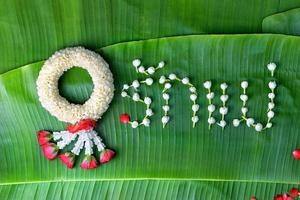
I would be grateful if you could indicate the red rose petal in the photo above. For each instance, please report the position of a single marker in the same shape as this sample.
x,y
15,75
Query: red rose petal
x,y
294,192
296,154
50,151
85,124
125,118
106,155
67,159
89,162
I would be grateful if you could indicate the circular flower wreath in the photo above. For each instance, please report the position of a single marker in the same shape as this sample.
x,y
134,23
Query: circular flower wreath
x,y
82,118
53,69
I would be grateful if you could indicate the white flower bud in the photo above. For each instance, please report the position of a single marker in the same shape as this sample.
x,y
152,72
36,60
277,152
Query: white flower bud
x,y
168,85
211,120
270,114
269,125
195,107
161,64
236,122
222,123
193,97
136,97
136,62
271,105
258,127
135,84
125,87
162,80
195,119
166,96
149,112
223,110
244,84
223,86
124,94
244,97
141,69
172,76
149,81
151,70
147,100
207,84
192,89
166,108
224,98
165,119
271,95
271,66
210,95
272,85
146,122
249,122
134,124
211,108
185,80
244,110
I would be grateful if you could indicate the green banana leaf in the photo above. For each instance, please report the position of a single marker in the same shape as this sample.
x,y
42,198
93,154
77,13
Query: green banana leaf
x,y
284,23
32,30
178,161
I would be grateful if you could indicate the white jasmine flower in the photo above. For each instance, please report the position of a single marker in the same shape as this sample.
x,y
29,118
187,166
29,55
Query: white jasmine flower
x,y
258,127
270,114
211,120
249,122
149,81
166,108
195,107
236,122
223,110
165,119
222,123
244,97
224,98
271,67
146,122
269,125
207,84
271,105
134,124
125,87
211,108
223,86
168,85
136,97
124,94
161,64
151,70
195,119
162,80
135,84
149,112
193,97
185,80
210,95
172,77
141,69
244,84
271,95
136,62
147,100
166,96
192,89
244,110
272,85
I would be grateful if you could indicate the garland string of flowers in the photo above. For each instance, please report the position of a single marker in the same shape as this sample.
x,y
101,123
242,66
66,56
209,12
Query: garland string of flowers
x,y
82,118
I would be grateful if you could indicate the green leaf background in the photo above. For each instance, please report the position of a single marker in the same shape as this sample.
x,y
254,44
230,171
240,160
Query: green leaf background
x,y
177,162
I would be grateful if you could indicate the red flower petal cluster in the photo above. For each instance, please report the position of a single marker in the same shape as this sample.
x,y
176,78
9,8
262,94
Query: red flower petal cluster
x,y
50,151
89,162
125,118
68,159
86,124
106,155
44,137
